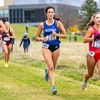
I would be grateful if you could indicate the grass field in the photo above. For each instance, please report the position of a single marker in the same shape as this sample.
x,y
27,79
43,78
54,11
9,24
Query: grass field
x,y
24,79
19,30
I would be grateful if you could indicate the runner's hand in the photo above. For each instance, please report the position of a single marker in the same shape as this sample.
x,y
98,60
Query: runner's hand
x,y
44,39
7,35
54,33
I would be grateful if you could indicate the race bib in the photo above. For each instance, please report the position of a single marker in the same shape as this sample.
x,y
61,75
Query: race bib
x,y
51,37
6,39
44,45
91,53
3,42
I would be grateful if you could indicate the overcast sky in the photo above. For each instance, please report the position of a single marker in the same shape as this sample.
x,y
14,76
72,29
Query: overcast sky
x,y
71,2
1,2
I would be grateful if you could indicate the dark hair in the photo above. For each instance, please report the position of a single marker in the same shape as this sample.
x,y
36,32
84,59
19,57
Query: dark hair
x,y
51,7
91,23
0,19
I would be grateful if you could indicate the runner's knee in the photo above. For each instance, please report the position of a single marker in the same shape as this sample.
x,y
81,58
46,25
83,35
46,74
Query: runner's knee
x,y
51,68
6,53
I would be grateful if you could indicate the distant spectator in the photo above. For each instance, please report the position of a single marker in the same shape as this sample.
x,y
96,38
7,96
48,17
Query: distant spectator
x,y
26,28
13,41
75,38
26,42
69,39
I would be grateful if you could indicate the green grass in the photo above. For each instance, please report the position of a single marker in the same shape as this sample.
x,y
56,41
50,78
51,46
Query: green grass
x,y
79,37
25,81
19,30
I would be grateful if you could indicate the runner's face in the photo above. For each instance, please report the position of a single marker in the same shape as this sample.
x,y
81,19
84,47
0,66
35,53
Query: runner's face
x,y
50,13
7,25
97,19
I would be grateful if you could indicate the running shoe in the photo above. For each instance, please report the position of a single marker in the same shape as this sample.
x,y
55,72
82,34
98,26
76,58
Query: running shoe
x,y
46,74
6,65
54,90
84,85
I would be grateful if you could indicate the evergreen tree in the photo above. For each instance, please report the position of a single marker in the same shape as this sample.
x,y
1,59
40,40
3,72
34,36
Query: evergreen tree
x,y
88,8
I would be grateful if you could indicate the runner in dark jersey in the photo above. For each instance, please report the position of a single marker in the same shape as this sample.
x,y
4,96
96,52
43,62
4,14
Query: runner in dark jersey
x,y
6,42
51,43
93,38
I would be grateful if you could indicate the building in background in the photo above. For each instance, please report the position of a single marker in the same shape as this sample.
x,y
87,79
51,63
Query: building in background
x,y
4,11
25,10
31,12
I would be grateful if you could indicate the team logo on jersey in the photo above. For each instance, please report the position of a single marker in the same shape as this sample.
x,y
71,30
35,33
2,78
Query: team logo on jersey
x,y
50,30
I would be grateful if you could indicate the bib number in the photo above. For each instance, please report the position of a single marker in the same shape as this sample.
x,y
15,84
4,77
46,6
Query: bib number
x,y
51,37
97,44
44,45
3,42
91,53
6,39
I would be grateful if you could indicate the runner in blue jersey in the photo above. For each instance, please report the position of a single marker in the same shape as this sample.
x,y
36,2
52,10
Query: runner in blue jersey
x,y
51,43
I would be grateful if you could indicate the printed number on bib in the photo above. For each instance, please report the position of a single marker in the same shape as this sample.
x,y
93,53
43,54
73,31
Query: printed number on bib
x,y
6,39
44,45
97,44
51,37
91,53
3,42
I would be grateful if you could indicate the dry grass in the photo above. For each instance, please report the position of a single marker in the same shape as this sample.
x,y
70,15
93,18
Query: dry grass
x,y
72,58
69,51
73,51
22,81
72,55
34,51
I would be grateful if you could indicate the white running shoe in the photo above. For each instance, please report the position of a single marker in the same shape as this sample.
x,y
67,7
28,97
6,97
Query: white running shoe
x,y
84,85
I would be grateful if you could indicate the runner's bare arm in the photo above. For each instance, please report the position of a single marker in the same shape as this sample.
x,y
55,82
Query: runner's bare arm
x,y
87,37
13,34
62,29
40,28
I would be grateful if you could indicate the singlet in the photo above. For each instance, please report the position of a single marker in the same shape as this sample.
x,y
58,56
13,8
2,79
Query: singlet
x,y
94,45
52,40
5,37
0,34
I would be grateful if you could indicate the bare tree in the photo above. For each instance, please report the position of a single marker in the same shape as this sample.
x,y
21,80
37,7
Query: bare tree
x,y
69,15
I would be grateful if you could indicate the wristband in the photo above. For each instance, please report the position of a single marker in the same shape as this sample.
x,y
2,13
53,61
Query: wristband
x,y
41,39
